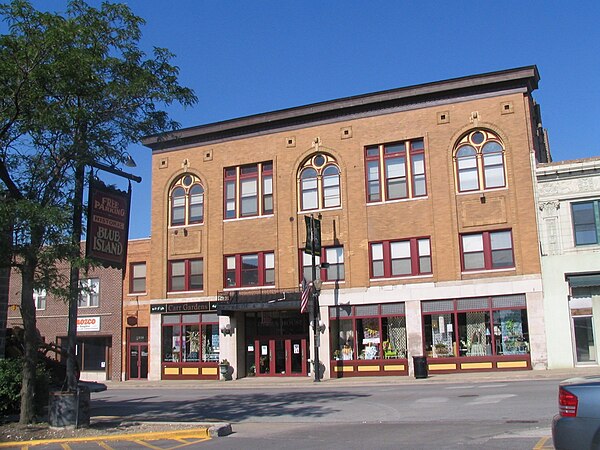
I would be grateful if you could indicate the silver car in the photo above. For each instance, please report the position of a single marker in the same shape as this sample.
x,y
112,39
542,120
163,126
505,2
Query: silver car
x,y
577,425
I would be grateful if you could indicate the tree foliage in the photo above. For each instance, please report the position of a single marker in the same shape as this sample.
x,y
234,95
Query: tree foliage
x,y
75,88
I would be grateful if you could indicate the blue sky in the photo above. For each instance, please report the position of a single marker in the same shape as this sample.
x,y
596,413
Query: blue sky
x,y
247,57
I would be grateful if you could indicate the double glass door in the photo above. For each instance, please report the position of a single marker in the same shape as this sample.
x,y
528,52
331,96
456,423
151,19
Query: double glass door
x,y
138,361
280,356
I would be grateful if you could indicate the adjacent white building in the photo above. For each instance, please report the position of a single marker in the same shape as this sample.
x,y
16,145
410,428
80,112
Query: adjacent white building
x,y
569,226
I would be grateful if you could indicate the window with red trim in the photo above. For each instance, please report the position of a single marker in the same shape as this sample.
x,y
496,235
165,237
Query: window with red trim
x,y
137,281
479,162
402,258
319,183
248,190
395,171
186,275
249,270
186,201
334,269
486,251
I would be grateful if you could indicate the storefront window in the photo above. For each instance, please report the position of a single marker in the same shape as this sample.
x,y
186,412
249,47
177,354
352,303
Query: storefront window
x,y
440,338
190,338
380,332
474,333
487,326
511,333
369,338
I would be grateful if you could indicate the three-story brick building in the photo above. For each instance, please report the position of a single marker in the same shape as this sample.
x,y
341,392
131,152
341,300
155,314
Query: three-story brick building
x,y
425,196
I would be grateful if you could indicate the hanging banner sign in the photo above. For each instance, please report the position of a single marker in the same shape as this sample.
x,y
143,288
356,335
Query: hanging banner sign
x,y
108,224
313,236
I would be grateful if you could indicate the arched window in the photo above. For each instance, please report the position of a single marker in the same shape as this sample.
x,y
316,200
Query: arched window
x,y
479,162
319,183
187,201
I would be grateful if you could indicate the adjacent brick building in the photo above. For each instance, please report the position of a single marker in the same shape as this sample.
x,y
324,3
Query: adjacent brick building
x,y
99,322
425,197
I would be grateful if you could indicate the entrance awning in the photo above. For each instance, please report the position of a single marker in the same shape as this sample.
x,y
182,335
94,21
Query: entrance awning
x,y
576,281
258,301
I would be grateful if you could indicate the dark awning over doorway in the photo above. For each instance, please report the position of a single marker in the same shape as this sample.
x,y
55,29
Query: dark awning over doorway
x,y
576,281
265,300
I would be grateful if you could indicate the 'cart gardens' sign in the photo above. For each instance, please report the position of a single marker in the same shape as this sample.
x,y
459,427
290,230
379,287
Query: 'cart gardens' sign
x,y
108,224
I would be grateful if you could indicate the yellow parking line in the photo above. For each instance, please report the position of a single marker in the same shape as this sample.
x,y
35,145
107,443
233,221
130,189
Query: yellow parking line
x,y
194,433
187,443
145,444
104,445
541,444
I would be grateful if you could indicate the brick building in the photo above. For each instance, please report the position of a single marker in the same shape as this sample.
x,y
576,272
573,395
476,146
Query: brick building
x,y
99,321
136,310
425,197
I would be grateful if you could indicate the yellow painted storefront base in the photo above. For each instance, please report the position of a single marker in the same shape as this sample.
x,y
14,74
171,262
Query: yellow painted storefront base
x,y
394,367
171,371
482,365
368,368
344,369
189,371
442,367
209,371
511,364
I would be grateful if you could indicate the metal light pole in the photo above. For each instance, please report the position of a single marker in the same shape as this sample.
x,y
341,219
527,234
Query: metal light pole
x,y
316,288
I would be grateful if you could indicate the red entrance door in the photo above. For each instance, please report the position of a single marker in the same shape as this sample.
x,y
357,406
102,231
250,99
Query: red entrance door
x,y
138,361
280,357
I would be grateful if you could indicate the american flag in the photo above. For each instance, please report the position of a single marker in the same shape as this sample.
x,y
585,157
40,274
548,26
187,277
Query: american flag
x,y
304,296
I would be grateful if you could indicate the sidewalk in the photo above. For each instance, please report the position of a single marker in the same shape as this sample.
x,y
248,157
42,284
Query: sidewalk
x,y
308,382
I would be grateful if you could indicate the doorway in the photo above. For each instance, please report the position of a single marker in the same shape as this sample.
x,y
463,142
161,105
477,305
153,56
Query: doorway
x,y
582,323
585,348
276,343
280,357
137,353
138,361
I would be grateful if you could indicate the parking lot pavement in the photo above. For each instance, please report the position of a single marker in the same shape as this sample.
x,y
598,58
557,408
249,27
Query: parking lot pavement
x,y
164,440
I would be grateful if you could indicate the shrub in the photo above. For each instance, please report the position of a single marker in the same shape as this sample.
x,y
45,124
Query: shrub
x,y
10,386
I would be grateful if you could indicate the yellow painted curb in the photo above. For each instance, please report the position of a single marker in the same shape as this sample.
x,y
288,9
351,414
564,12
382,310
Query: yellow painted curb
x,y
185,433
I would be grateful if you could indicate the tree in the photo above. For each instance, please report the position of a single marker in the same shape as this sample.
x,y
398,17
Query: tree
x,y
75,88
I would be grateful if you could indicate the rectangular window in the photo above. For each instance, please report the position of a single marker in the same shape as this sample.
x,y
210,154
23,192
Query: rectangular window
x,y
249,270
334,259
408,257
487,251
369,332
137,282
190,338
404,171
586,222
485,326
39,297
89,294
186,275
267,192
92,353
248,190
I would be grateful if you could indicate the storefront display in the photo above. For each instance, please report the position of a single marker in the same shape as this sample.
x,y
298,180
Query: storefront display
x,y
189,343
380,332
491,328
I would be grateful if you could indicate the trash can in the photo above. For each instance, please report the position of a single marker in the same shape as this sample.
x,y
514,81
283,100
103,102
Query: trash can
x,y
420,364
